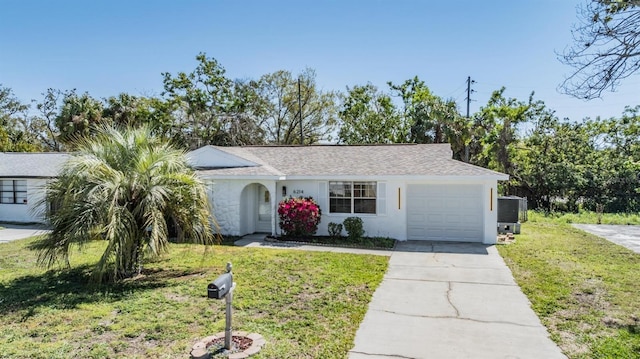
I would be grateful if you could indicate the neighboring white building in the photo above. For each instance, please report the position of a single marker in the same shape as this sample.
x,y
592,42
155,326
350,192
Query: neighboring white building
x,y
407,191
23,176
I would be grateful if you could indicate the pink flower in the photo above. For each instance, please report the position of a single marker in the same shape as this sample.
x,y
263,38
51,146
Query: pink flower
x,y
299,216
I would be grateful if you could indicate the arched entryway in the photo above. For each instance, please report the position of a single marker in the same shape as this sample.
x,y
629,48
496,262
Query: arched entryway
x,y
255,209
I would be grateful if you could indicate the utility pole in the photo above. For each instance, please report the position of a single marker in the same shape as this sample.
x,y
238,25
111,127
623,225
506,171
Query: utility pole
x,y
469,92
300,115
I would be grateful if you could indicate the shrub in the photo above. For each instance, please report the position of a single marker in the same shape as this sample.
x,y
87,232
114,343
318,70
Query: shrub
x,y
354,228
335,230
299,216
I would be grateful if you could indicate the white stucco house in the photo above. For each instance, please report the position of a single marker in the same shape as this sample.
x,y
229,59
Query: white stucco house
x,y
22,179
406,192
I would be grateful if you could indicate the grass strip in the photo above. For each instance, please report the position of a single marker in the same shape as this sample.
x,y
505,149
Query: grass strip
x,y
584,288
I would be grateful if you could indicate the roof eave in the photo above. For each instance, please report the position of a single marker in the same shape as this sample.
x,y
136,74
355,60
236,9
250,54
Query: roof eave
x,y
452,178
238,177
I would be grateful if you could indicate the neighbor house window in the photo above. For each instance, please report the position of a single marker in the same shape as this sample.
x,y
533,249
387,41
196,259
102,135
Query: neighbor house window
x,y
13,191
352,197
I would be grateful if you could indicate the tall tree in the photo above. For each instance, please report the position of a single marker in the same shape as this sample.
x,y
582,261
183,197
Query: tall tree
x,y
281,119
44,124
202,98
496,129
621,153
369,116
127,110
430,118
606,47
551,160
77,116
14,134
123,186
242,121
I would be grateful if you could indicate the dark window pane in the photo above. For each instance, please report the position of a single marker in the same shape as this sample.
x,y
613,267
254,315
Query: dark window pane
x,y
364,206
339,205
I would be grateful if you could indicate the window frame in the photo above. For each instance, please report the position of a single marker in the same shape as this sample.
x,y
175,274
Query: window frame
x,y
16,191
354,188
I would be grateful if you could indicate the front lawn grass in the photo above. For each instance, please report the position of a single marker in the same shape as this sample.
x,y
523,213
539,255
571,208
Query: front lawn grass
x,y
585,289
306,304
584,217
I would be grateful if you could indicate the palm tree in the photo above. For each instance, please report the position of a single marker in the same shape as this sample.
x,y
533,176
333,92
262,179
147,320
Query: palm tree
x,y
122,186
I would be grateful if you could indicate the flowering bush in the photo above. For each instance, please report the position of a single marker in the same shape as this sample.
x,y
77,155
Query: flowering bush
x,y
299,216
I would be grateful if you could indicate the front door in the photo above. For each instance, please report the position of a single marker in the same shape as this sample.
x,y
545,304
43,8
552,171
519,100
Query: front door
x,y
263,223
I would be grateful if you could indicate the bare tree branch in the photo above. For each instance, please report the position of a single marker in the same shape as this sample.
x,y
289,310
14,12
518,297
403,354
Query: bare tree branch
x,y
606,47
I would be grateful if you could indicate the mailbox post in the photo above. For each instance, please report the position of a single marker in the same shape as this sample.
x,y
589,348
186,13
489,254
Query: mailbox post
x,y
222,287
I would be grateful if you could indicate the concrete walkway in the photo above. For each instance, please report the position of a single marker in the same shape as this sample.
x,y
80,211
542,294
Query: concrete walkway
x,y
12,232
626,236
444,300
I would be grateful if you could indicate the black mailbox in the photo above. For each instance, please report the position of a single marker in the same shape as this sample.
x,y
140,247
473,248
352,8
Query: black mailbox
x,y
220,286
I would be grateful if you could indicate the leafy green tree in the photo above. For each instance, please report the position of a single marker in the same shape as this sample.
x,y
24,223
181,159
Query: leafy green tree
x,y
495,128
368,117
77,115
281,119
621,153
606,47
127,110
122,186
242,120
43,125
430,118
551,160
201,98
14,134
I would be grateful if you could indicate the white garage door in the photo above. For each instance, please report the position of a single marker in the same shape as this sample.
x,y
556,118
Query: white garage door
x,y
445,213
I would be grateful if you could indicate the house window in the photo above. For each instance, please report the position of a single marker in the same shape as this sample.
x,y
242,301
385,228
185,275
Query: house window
x,y
352,197
13,191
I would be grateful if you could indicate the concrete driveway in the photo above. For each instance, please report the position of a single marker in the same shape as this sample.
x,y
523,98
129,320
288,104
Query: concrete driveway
x,y
627,236
444,300
12,232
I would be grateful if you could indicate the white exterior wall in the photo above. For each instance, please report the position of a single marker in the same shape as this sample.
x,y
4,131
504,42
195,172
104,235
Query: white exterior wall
x,y
390,224
25,213
390,221
225,197
491,212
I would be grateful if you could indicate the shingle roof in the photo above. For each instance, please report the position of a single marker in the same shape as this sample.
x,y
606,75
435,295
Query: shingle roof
x,y
294,161
31,164
335,160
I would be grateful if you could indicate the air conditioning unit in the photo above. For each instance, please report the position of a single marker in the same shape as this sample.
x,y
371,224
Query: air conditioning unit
x,y
509,214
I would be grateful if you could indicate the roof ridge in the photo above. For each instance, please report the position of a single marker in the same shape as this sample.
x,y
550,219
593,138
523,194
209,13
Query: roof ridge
x,y
339,145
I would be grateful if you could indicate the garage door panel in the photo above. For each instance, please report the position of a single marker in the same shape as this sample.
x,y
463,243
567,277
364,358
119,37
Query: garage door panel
x,y
445,212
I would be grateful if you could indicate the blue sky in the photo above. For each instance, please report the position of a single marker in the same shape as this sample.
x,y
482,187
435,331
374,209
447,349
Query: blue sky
x,y
108,47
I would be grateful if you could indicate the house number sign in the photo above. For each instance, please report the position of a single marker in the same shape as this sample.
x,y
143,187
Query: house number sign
x,y
298,191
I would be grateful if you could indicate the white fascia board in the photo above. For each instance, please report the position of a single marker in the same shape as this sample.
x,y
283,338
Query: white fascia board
x,y
401,177
230,177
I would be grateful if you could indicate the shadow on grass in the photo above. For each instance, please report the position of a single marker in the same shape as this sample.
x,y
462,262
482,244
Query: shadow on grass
x,y
66,289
